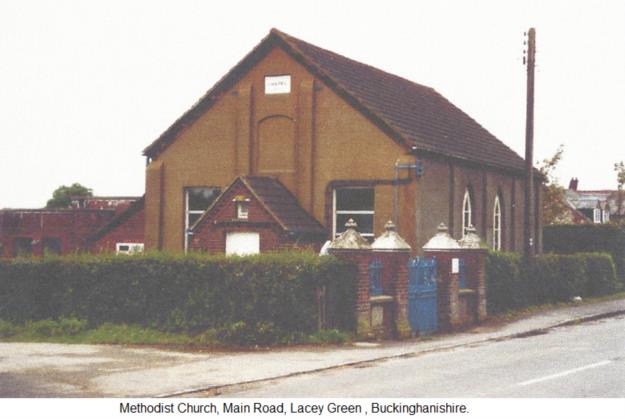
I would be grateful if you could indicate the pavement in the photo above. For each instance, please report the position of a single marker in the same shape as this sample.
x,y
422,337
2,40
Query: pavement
x,y
53,370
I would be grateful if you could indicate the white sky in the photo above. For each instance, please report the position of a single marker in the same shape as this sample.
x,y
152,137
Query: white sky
x,y
85,86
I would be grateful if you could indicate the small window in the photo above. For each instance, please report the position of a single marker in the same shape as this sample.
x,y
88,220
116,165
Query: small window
x,y
128,248
606,216
467,212
243,210
596,213
355,203
277,84
197,200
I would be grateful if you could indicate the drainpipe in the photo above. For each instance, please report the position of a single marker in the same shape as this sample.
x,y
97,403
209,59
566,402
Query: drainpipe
x,y
401,166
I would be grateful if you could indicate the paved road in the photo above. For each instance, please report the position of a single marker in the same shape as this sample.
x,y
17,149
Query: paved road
x,y
488,357
585,360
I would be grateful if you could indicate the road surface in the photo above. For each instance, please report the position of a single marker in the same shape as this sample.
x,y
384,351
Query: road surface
x,y
584,360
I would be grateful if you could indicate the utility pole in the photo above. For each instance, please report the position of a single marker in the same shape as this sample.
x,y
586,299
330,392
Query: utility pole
x,y
530,242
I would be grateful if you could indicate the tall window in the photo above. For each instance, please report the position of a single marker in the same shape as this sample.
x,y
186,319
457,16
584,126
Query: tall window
x,y
355,203
497,224
596,214
467,212
196,201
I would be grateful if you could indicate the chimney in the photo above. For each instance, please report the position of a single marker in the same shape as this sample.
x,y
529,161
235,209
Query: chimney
x,y
573,184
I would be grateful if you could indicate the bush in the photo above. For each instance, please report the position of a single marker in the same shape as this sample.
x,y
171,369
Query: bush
x,y
602,275
7,329
512,282
264,297
242,334
588,238
504,288
57,328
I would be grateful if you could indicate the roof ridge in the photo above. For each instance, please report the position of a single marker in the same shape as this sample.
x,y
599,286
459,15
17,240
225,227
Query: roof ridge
x,y
379,70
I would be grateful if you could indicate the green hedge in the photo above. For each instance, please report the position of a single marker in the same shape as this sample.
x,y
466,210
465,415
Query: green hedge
x,y
512,283
570,239
272,293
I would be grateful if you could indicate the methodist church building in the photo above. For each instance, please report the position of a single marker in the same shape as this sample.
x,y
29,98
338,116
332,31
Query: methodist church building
x,y
303,139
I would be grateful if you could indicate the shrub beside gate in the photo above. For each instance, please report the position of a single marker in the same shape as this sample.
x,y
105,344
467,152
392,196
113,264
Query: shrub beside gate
x,y
572,239
273,295
512,283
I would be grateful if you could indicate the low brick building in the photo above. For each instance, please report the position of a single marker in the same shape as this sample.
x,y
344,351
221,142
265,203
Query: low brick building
x,y
255,214
123,234
37,232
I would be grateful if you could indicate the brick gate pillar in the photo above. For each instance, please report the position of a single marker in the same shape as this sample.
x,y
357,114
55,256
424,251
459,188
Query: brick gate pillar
x,y
350,245
474,255
394,253
447,252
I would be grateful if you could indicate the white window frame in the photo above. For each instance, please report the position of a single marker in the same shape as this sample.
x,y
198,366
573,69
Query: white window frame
x,y
606,216
132,248
243,210
467,212
596,215
357,212
497,224
188,212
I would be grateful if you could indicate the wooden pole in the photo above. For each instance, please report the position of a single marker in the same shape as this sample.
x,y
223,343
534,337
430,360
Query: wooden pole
x,y
530,241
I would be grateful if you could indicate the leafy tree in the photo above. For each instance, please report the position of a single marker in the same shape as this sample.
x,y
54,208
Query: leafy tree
x,y
554,207
61,197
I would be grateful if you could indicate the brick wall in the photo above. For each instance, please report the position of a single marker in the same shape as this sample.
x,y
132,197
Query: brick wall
x,y
70,227
129,231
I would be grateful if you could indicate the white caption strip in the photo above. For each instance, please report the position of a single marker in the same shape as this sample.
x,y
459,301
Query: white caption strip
x,y
564,373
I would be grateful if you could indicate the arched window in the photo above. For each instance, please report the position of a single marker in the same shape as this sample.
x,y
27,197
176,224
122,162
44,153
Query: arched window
x,y
497,224
467,212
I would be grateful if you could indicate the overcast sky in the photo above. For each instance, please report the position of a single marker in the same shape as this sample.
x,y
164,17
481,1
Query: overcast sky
x,y
85,86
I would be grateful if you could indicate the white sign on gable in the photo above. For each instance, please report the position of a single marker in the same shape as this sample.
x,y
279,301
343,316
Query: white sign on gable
x,y
277,84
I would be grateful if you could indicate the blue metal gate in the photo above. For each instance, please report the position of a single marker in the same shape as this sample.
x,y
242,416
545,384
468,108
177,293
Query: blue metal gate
x,y
422,300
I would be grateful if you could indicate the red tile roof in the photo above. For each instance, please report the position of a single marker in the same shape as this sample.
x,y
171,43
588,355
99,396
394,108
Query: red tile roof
x,y
279,203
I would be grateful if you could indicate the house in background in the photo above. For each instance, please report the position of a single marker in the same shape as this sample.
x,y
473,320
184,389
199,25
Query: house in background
x,y
38,232
343,140
598,206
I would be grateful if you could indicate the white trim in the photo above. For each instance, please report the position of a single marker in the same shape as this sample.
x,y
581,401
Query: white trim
x,y
596,215
243,210
497,224
336,212
132,248
467,211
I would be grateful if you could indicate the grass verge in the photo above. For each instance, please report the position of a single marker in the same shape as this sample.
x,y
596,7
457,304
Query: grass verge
x,y
73,331
513,315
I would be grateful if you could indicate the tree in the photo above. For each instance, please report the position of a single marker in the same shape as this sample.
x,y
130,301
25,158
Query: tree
x,y
554,198
619,168
61,197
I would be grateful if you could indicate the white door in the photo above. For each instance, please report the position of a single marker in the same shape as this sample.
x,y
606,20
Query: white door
x,y
242,243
